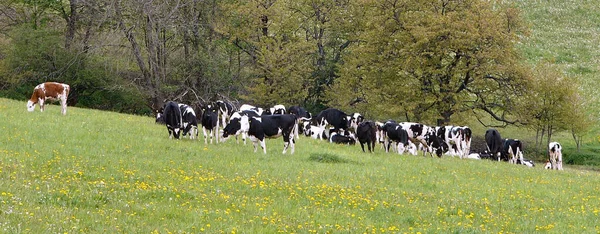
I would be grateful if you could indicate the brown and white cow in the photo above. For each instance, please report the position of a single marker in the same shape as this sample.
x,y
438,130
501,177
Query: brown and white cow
x,y
49,91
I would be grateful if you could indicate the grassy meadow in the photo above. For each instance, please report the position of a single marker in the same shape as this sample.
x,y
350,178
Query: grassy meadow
x,y
93,171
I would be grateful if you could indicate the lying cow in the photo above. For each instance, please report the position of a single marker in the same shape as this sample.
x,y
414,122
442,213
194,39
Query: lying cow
x,y
348,139
49,91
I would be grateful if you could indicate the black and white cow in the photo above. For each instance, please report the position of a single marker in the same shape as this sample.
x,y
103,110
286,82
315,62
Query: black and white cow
x,y
172,117
435,144
258,110
366,132
160,119
334,117
467,136
394,133
237,126
452,137
513,150
210,122
337,138
494,143
302,115
226,109
354,120
272,126
275,110
555,153
420,133
189,121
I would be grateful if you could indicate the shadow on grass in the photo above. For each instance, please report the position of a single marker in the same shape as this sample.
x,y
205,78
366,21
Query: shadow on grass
x,y
328,158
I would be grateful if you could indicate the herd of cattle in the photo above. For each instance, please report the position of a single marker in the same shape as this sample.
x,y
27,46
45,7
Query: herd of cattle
x,y
222,120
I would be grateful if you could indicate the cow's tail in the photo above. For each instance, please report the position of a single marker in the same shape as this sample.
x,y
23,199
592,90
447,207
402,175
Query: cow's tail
x,y
295,128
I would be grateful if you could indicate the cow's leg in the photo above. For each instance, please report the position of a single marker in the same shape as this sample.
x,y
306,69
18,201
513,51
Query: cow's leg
x,y
553,161
63,103
216,130
263,146
41,103
520,155
204,134
244,137
559,166
292,144
400,147
362,146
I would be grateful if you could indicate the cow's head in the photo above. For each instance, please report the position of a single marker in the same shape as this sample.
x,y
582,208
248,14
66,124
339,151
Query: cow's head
x,y
30,106
235,127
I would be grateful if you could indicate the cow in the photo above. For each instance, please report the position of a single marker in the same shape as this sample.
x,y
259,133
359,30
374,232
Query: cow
x,y
210,122
189,121
237,126
49,91
493,141
366,132
526,162
272,126
354,120
258,110
452,137
548,165
419,132
160,119
302,116
466,140
393,132
334,117
275,110
225,110
555,153
337,138
172,116
513,150
435,144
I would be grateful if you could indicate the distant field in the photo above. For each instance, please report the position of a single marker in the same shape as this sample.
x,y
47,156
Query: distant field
x,y
93,171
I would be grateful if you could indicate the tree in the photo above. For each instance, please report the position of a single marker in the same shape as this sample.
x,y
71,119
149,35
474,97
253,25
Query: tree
x,y
429,60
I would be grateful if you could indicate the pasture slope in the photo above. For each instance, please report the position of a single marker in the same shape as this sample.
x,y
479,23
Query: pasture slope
x,y
101,172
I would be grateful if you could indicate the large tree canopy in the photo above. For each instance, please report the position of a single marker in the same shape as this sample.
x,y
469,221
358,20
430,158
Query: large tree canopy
x,y
429,60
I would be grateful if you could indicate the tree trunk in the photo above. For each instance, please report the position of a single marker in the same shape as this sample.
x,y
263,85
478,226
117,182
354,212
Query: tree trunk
x,y
71,24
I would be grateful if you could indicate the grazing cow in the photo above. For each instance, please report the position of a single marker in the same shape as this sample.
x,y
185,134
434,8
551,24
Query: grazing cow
x,y
418,133
513,149
452,137
435,144
172,115
366,132
342,139
226,109
393,132
555,152
258,110
49,91
334,117
272,126
189,121
493,141
548,165
237,125
210,122
302,115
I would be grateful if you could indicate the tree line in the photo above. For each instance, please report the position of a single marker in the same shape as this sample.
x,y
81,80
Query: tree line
x,y
431,61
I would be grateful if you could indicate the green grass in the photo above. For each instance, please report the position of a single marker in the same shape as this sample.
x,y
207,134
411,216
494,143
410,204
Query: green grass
x,y
102,172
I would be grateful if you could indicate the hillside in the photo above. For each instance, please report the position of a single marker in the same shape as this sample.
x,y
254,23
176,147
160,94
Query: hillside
x,y
93,171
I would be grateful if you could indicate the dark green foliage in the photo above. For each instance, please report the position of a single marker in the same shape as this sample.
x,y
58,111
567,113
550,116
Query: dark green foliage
x,y
586,156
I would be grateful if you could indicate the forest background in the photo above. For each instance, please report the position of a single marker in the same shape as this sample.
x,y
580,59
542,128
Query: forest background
x,y
529,64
